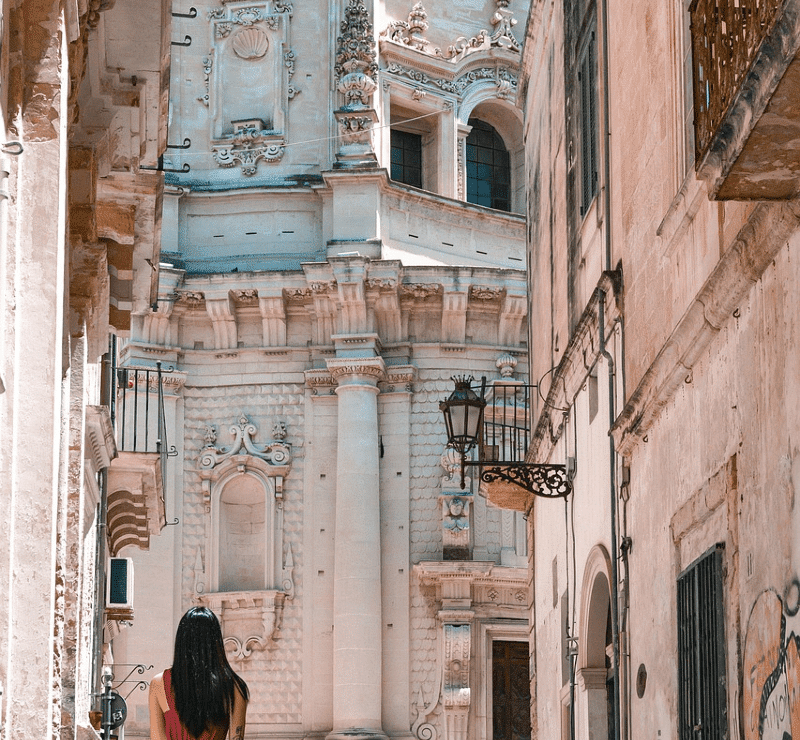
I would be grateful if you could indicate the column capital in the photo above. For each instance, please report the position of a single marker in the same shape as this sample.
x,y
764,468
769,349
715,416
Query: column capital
x,y
592,678
347,370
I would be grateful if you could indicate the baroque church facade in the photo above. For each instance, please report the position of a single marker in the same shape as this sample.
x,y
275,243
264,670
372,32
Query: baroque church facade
x,y
342,233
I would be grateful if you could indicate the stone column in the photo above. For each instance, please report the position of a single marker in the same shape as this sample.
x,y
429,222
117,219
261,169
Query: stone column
x,y
357,635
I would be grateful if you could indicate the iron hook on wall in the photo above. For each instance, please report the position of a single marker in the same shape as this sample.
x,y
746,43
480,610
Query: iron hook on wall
x,y
191,14
161,168
186,144
13,148
187,41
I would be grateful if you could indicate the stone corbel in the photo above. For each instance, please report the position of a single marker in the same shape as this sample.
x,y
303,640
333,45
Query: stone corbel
x,y
350,274
223,317
250,620
454,316
514,309
273,320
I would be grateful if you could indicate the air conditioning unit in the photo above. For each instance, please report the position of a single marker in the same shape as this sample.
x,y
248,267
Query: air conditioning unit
x,y
120,584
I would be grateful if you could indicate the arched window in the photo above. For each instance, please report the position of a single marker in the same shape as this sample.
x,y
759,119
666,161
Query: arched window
x,y
488,167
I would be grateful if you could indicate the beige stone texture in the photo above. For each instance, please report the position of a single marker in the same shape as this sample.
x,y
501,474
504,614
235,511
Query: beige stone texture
x,y
663,328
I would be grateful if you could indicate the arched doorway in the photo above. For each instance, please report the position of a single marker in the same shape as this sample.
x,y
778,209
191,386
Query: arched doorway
x,y
595,674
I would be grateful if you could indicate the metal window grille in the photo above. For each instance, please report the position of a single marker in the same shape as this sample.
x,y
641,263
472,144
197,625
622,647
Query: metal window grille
x,y
702,701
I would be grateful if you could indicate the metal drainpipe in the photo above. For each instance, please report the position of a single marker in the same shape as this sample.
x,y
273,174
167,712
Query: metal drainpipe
x,y
613,499
100,580
618,709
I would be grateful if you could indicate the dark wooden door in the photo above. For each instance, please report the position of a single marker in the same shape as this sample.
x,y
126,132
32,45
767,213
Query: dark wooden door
x,y
511,691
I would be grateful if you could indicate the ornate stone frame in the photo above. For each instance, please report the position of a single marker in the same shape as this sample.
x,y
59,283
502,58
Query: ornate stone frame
x,y
250,619
250,30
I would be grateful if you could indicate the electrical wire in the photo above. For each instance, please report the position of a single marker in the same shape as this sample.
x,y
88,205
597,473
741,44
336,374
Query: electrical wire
x,y
373,128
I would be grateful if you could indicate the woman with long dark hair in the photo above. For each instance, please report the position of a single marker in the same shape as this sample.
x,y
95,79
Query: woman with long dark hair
x,y
200,697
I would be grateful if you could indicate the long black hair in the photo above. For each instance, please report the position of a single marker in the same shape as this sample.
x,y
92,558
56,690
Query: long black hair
x,y
203,681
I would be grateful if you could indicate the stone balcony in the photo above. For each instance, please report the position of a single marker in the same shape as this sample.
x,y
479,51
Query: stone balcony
x,y
746,93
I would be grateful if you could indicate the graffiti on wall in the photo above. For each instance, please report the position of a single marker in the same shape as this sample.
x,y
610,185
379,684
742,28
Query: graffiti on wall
x,y
771,691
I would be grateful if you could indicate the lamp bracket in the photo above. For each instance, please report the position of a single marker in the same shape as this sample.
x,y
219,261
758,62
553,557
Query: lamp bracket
x,y
547,481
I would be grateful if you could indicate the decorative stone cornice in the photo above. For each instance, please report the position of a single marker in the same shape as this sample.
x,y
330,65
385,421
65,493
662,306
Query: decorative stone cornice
x,y
504,78
581,353
767,230
420,291
100,437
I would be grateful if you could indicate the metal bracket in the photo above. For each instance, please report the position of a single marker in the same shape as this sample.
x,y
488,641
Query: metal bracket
x,y
187,41
191,14
547,481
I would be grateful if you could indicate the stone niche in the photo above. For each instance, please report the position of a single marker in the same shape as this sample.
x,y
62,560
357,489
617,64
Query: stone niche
x,y
248,77
248,571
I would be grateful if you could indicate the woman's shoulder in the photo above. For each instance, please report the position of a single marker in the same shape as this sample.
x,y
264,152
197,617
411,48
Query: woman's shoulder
x,y
157,682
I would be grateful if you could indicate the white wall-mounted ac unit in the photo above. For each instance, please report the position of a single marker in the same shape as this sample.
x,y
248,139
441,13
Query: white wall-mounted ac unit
x,y
120,583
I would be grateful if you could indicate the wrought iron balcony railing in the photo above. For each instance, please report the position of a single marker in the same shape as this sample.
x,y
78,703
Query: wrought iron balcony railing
x,y
505,441
138,413
726,36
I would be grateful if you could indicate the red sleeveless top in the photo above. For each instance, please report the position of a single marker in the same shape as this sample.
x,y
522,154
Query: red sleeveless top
x,y
175,728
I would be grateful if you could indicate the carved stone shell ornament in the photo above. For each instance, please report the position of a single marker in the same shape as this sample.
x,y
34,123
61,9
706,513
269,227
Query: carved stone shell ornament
x,y
250,43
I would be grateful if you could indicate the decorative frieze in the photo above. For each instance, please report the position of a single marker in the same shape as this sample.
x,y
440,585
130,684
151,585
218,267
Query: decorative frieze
x,y
191,299
503,77
485,292
420,291
400,378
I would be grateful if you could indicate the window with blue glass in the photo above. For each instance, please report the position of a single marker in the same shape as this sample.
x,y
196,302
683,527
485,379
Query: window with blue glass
x,y
407,158
488,167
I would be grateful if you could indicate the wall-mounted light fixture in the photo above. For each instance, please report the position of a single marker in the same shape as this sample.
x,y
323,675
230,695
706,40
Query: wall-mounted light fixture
x,y
502,437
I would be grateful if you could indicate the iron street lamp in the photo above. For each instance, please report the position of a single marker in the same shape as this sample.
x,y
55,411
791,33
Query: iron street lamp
x,y
463,417
464,412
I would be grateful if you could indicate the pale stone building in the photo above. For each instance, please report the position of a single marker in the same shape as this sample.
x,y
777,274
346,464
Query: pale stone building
x,y
84,115
342,233
664,244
